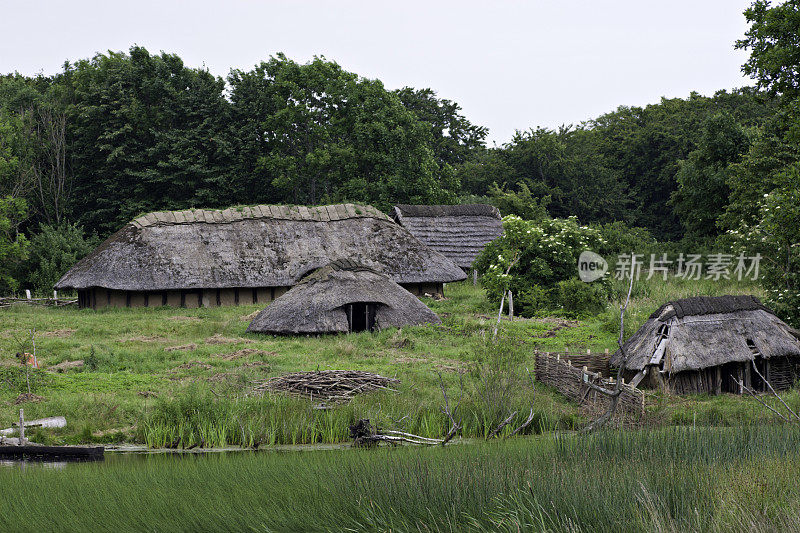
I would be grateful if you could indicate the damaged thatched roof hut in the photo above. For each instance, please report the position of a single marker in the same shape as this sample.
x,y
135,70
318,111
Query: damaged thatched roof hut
x,y
342,297
459,232
204,257
710,344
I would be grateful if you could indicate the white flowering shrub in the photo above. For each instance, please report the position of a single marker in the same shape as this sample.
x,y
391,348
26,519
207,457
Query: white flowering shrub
x,y
543,253
776,237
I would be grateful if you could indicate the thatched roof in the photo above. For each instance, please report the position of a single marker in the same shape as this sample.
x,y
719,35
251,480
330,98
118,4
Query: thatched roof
x,y
316,304
709,331
261,246
458,231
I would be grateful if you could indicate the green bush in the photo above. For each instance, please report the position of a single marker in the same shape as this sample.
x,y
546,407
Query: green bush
x,y
53,251
619,238
541,254
578,298
14,377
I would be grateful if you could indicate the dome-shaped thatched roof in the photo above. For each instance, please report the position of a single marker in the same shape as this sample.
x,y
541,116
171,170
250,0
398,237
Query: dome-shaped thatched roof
x,y
260,246
709,331
318,304
459,232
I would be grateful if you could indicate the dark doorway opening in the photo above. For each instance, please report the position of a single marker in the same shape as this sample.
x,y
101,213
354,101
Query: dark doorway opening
x,y
360,316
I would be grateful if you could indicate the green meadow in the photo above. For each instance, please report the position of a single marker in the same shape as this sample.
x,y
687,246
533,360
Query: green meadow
x,y
167,376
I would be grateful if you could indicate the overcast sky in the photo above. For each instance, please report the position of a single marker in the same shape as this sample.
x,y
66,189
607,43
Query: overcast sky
x,y
510,64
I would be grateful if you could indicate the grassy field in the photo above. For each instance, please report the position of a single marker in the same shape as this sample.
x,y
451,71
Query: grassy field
x,y
155,375
670,480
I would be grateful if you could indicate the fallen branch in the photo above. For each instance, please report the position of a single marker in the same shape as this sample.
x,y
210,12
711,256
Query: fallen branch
x,y
363,434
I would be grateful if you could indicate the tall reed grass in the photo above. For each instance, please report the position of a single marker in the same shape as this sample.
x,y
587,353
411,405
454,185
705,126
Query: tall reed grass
x,y
677,479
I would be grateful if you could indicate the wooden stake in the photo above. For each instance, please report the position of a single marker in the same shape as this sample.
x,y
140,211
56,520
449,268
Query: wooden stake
x,y
510,305
21,427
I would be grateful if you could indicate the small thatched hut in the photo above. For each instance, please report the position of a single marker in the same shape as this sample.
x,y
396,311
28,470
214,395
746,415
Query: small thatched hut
x,y
204,257
339,298
710,344
459,232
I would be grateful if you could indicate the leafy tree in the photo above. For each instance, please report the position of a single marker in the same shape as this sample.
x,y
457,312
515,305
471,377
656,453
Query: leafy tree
x,y
146,133
315,133
774,48
13,244
702,179
483,168
54,250
522,203
776,237
454,137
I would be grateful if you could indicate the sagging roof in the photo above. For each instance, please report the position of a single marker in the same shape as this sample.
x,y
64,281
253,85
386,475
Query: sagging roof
x,y
316,304
460,232
260,246
708,331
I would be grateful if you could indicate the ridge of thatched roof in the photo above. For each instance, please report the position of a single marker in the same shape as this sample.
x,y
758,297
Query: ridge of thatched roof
x,y
709,331
708,305
459,232
260,246
322,213
316,304
462,210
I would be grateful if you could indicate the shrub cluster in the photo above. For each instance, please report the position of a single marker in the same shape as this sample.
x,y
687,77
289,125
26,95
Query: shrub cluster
x,y
537,261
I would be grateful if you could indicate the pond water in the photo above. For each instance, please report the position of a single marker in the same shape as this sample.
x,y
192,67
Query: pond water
x,y
127,453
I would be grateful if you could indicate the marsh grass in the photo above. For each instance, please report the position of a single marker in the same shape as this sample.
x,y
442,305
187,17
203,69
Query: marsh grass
x,y
675,479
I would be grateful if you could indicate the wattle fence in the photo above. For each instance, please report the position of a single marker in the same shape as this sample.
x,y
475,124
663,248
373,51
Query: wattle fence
x,y
569,373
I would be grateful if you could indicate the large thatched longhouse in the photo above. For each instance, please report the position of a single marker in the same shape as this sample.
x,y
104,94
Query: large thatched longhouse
x,y
710,344
459,232
342,297
203,257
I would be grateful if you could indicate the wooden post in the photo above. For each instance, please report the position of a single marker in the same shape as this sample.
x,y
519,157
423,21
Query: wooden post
x,y
740,375
28,294
475,277
510,305
55,297
748,382
21,428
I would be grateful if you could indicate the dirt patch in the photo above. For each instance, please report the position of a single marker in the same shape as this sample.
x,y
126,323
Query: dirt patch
x,y
244,352
250,317
182,347
147,394
410,360
234,375
184,318
58,333
557,323
66,365
453,366
255,364
192,364
219,339
28,397
146,338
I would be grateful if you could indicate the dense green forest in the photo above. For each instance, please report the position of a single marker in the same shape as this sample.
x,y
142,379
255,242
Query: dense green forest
x,y
85,150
